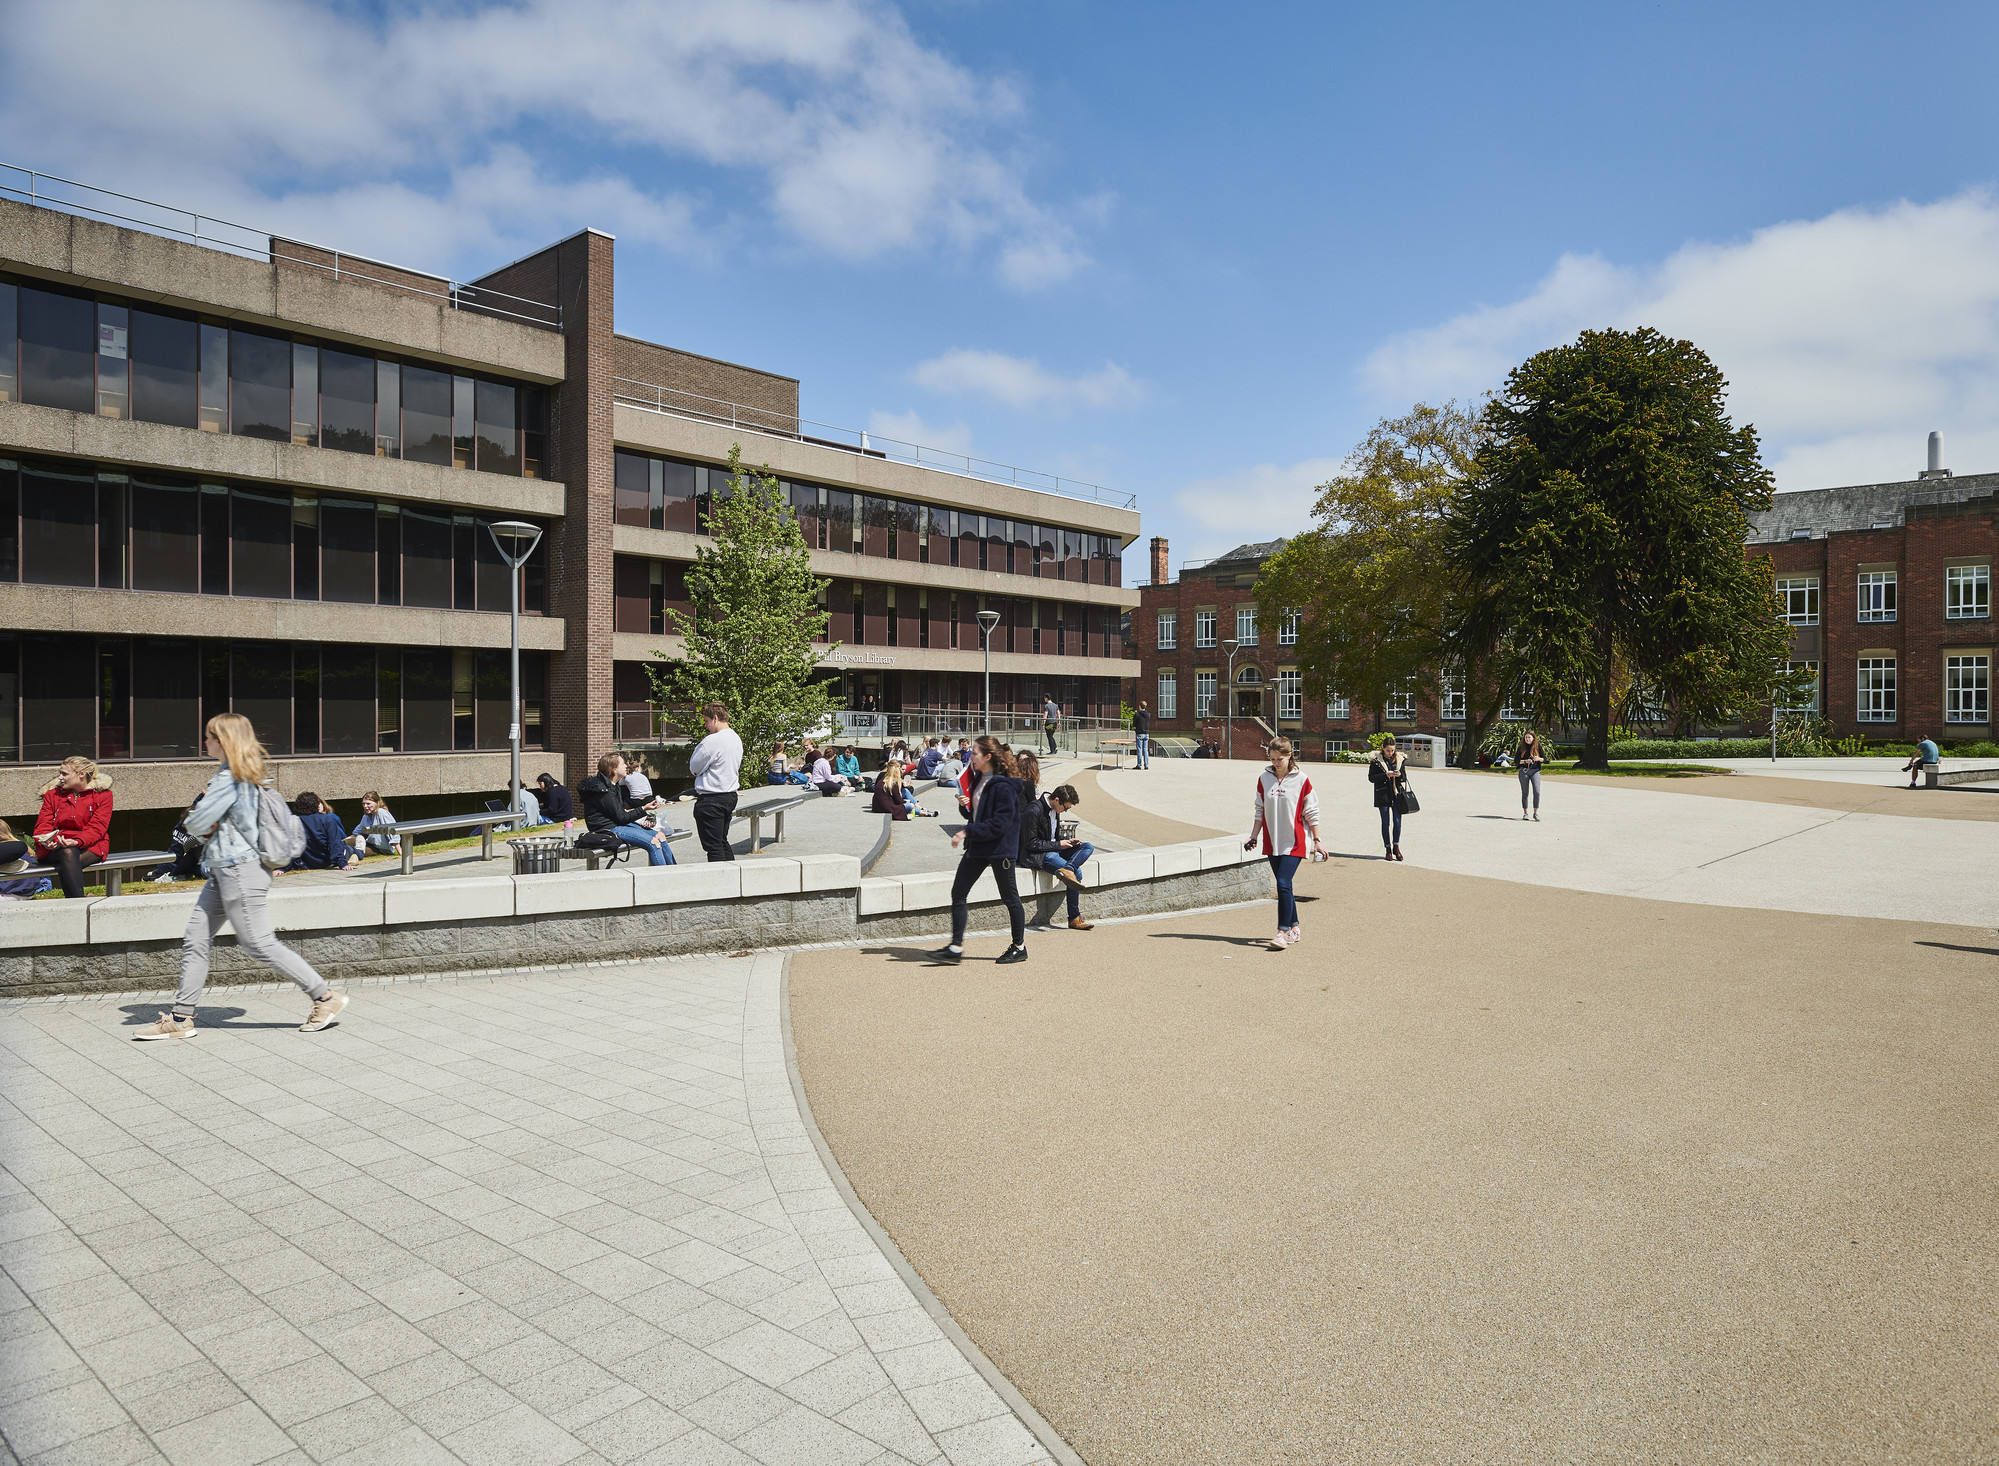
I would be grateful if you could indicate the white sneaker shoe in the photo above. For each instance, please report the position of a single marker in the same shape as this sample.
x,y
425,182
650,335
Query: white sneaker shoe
x,y
323,1012
1279,942
1297,935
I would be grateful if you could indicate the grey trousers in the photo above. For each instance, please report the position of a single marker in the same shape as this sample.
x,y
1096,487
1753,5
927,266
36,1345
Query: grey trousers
x,y
1530,778
235,894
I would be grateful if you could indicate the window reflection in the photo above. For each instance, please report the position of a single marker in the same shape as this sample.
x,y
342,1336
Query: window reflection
x,y
166,356
347,402
58,343
260,386
114,375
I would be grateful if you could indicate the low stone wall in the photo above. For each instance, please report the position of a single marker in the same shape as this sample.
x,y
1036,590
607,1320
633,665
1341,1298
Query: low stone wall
x,y
376,928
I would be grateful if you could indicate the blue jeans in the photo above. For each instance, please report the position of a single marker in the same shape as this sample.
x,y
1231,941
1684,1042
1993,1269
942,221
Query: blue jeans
x,y
1391,812
1054,860
1284,867
639,835
1144,750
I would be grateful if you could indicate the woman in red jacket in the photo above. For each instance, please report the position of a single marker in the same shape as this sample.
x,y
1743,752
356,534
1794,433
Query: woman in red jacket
x,y
74,827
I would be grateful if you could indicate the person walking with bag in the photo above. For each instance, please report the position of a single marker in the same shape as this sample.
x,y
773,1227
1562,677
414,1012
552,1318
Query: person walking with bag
x,y
1529,759
717,767
1287,819
991,839
1388,772
228,820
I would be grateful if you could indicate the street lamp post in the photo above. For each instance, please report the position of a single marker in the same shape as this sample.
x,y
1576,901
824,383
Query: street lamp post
x,y
987,621
1230,645
515,542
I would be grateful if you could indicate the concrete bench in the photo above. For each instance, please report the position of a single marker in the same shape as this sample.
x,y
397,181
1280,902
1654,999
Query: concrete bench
x,y
1934,776
405,832
776,810
114,868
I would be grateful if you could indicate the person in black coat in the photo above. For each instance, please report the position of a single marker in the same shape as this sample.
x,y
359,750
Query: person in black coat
x,y
555,801
990,839
1388,772
325,837
609,810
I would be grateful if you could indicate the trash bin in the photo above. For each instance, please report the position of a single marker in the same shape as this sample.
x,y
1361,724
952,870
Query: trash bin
x,y
537,854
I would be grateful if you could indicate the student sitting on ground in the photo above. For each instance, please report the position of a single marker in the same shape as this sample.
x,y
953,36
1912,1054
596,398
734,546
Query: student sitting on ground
x,y
778,771
848,767
555,801
374,832
824,779
325,839
186,864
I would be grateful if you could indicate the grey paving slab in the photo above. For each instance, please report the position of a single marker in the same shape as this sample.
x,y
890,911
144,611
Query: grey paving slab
x,y
551,1218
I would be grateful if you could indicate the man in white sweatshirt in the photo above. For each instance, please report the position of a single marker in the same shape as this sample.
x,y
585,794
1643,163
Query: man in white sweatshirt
x,y
717,766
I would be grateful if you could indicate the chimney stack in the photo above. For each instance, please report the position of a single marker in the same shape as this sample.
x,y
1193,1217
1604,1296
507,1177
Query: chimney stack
x,y
1159,566
1936,468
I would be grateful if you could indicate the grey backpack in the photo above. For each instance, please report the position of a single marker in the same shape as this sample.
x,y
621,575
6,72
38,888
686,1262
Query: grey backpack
x,y
280,833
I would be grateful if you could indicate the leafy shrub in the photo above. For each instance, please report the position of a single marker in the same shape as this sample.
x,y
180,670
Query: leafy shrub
x,y
1501,738
1672,748
1379,741
1976,750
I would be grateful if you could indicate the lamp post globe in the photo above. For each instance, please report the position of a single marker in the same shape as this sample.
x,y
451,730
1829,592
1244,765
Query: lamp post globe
x,y
987,621
515,541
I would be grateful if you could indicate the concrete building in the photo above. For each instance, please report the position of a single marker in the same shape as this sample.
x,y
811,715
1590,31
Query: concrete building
x,y
260,480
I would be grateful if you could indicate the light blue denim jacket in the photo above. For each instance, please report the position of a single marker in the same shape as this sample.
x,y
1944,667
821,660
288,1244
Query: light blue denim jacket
x,y
224,819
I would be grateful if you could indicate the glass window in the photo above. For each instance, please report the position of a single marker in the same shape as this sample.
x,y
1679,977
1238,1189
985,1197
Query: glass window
x,y
492,683
388,555
1967,688
260,541
1204,694
10,698
1967,591
111,497
165,357
305,547
10,362
534,432
464,563
498,420
215,542
677,497
166,699
1877,595
58,524
58,343
839,511
426,416
877,525
260,386
426,700
1811,702
1338,709
347,699
464,706
166,533
305,697
388,409
426,561
58,696
212,409
1245,625
1799,597
114,361
114,697
463,429
971,541
1401,704
260,688
305,395
1204,628
1877,690
1287,626
631,489
347,550
1169,631
10,523
1453,698
1290,695
1169,696
388,701
346,401
495,592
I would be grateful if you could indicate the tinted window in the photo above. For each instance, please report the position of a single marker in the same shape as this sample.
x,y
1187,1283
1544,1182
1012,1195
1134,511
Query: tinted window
x,y
10,380
426,700
260,688
630,489
10,692
260,539
114,361
260,386
494,593
347,699
426,415
215,542
166,699
166,533
305,699
388,409
58,696
305,394
492,699
58,525
462,429
10,528
111,531
346,401
499,440
165,359
839,512
388,555
58,343
347,550
426,560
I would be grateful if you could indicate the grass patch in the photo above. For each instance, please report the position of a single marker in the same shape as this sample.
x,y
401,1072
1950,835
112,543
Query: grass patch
x,y
1624,770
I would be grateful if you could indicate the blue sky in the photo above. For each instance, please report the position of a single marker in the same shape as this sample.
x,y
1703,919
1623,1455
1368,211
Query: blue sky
x,y
1186,251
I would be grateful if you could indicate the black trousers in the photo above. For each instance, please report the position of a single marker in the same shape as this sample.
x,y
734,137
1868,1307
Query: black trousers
x,y
69,861
1049,729
969,869
712,813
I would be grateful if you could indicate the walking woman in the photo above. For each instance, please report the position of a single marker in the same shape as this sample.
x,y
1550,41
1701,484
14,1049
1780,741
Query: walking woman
x,y
1529,760
224,819
991,838
1287,813
1388,772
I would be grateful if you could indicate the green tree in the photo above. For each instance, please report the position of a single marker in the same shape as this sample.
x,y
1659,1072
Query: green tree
x,y
749,642
1601,536
1382,612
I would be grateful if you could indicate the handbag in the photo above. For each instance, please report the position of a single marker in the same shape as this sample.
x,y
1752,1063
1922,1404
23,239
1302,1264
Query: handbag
x,y
1405,799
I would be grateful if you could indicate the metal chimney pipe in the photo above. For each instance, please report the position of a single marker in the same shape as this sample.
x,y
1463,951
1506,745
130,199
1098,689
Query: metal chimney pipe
x,y
1936,451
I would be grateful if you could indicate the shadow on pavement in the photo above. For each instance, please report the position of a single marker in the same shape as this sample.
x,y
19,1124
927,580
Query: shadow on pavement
x,y
137,1014
1954,947
1208,937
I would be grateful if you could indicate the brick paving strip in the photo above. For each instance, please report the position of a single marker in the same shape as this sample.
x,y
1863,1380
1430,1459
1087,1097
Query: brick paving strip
x,y
557,1217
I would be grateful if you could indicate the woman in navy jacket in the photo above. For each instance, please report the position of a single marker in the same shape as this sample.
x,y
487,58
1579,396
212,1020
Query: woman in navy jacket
x,y
990,838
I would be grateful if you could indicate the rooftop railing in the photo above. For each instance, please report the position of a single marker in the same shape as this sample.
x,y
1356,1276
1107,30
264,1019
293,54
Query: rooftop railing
x,y
674,402
67,195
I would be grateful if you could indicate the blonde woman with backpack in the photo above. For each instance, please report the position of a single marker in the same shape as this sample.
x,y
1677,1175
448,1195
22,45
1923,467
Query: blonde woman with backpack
x,y
1287,816
225,820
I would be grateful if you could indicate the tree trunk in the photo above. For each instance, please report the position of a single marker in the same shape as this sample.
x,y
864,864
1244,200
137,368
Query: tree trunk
x,y
1596,739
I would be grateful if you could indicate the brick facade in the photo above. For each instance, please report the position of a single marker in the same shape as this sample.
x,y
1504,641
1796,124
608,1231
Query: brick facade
x,y
701,384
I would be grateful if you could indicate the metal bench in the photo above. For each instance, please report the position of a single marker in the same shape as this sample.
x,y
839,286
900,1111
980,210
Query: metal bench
x,y
405,832
776,810
595,859
113,867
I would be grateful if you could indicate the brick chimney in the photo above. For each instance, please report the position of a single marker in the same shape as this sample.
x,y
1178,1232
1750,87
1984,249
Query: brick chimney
x,y
1159,568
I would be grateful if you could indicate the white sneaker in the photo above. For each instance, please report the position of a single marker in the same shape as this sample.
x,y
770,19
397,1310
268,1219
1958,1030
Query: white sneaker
x,y
1537,816
1297,935
323,1012
1279,942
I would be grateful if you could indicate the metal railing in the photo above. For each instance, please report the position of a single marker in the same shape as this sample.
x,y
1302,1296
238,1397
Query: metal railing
x,y
1078,736
674,402
67,195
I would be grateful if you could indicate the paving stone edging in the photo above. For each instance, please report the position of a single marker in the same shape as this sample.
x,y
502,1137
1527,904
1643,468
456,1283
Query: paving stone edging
x,y
387,928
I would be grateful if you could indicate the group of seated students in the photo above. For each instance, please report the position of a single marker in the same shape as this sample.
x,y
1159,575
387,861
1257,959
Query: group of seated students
x,y
72,832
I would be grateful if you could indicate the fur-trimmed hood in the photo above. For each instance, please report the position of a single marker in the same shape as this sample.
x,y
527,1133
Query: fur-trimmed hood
x,y
100,783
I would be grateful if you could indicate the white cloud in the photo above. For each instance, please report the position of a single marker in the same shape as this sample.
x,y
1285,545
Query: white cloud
x,y
1022,382
907,427
864,139
1845,339
1264,502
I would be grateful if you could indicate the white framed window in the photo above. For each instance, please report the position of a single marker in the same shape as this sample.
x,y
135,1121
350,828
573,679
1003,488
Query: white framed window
x,y
1169,696
1799,595
1287,629
1204,627
1290,695
1169,630
1967,592
1877,595
1401,705
1204,694
1453,698
1811,702
1876,690
1338,709
1245,625
1967,688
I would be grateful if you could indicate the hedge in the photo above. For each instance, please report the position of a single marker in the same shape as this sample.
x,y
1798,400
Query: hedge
x,y
1687,748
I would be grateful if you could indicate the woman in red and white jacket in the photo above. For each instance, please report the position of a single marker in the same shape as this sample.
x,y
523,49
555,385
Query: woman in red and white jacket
x,y
1287,815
